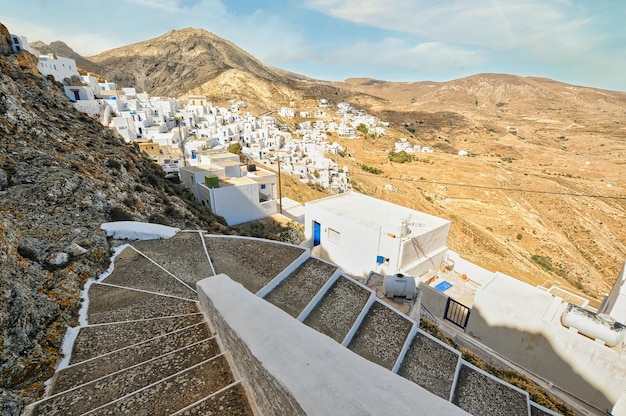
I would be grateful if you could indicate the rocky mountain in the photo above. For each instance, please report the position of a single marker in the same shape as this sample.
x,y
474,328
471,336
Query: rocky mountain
x,y
62,49
179,61
61,175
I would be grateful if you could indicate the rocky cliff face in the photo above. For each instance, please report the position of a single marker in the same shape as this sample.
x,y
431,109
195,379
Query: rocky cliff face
x,y
177,62
61,176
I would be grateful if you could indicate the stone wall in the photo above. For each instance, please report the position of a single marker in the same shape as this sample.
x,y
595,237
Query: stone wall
x,y
268,394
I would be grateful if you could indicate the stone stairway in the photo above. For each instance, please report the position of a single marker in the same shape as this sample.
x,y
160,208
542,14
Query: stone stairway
x,y
147,349
317,294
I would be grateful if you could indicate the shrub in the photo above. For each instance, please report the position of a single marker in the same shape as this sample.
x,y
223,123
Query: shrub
x,y
400,157
114,163
371,169
120,214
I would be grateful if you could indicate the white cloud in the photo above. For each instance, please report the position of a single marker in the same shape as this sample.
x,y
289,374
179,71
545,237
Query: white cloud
x,y
395,53
268,37
487,23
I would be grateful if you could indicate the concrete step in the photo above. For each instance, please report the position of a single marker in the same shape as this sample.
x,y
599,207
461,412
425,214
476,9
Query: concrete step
x,y
337,311
116,304
381,335
173,393
101,391
182,255
100,366
95,340
295,292
251,262
133,270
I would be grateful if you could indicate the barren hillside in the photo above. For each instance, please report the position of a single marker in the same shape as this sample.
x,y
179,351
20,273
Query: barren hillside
x,y
542,195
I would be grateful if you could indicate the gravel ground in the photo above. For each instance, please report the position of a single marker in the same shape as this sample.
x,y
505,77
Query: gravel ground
x,y
89,370
174,393
251,262
114,304
182,255
105,390
381,335
481,395
231,402
431,365
135,271
336,312
295,292
93,341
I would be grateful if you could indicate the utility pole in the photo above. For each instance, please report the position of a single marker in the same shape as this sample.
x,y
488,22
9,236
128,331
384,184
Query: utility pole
x,y
280,190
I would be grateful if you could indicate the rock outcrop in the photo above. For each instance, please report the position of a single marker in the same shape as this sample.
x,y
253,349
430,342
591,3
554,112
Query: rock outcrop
x,y
61,175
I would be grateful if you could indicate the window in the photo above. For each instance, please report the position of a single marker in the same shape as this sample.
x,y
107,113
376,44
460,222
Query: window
x,y
333,235
263,186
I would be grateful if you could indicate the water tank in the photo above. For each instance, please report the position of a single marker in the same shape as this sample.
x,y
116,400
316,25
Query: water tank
x,y
211,181
399,285
595,326
251,167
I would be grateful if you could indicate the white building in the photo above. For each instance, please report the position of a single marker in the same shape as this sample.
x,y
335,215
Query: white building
x,y
363,234
57,66
247,197
19,43
570,347
286,112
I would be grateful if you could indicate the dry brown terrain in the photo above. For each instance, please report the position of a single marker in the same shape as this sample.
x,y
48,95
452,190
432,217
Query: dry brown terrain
x,y
545,178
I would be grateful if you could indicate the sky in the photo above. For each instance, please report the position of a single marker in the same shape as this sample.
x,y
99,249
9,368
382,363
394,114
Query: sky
x,y
581,42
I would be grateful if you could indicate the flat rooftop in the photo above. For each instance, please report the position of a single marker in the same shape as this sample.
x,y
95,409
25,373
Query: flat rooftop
x,y
224,182
374,213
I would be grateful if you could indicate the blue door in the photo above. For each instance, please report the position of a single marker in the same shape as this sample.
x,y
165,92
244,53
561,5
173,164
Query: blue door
x,y
317,231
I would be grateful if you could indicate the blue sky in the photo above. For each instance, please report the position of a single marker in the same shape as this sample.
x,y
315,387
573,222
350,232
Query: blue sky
x,y
580,42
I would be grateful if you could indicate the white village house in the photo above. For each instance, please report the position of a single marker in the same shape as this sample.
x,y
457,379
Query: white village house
x,y
363,234
237,192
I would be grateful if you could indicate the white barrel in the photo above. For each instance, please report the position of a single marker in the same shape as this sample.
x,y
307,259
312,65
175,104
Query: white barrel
x,y
595,326
399,285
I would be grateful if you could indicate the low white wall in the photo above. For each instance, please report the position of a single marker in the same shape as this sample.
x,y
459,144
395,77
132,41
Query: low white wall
x,y
323,377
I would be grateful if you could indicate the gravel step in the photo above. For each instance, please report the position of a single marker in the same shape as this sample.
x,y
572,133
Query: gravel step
x,y
116,304
135,271
295,292
381,335
430,364
251,262
101,391
174,393
96,340
337,311
231,401
92,369
483,395
182,255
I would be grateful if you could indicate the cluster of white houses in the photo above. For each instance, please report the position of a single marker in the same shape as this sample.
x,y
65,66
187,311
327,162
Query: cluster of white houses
x,y
191,141
550,333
